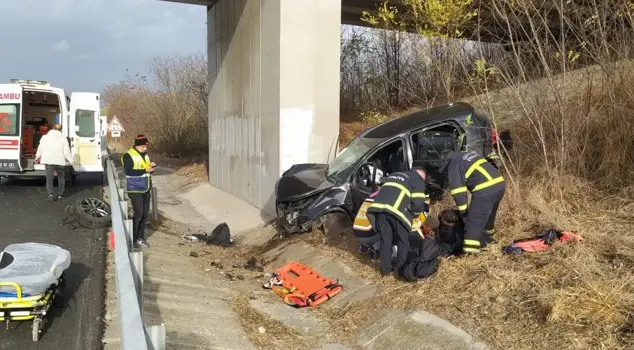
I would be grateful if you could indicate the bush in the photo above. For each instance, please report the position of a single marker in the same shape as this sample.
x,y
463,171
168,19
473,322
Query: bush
x,y
169,104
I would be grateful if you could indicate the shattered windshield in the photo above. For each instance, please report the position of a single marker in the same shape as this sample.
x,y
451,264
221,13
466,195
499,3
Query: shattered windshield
x,y
344,164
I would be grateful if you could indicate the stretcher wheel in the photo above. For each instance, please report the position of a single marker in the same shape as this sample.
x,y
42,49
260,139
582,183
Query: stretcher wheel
x,y
37,328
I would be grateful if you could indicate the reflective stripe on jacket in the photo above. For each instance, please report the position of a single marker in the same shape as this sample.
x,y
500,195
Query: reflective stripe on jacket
x,y
402,194
138,184
361,222
469,172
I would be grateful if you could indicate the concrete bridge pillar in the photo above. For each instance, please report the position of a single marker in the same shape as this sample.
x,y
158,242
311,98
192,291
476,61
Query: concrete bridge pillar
x,y
274,91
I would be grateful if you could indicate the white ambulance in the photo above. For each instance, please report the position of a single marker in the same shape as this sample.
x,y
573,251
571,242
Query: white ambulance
x,y
29,108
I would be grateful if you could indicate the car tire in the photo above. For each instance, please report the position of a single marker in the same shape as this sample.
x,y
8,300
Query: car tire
x,y
93,212
335,225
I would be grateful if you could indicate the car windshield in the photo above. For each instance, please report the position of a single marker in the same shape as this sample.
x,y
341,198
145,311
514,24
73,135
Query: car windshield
x,y
344,164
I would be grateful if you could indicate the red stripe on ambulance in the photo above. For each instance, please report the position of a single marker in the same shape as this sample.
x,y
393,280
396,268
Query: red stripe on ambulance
x,y
5,143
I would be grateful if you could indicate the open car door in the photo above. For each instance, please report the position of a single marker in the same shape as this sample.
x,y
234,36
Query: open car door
x,y
85,131
10,127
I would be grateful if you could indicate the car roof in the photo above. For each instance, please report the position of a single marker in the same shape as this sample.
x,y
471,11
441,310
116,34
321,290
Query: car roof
x,y
453,111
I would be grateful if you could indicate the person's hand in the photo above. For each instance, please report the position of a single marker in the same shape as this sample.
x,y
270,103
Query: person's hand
x,y
153,165
149,170
37,160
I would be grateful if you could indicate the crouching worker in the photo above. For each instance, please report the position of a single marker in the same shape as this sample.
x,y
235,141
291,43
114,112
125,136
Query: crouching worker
x,y
469,172
369,240
401,198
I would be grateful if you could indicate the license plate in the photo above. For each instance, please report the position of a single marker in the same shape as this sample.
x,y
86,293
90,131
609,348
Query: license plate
x,y
9,165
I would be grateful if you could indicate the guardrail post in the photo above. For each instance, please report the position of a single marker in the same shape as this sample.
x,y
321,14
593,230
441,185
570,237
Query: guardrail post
x,y
129,232
156,335
155,212
137,263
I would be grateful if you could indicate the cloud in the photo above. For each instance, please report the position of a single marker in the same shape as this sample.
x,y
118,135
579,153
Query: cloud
x,y
112,35
61,46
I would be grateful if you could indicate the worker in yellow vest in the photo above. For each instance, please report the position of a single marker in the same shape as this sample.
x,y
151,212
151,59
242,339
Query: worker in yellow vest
x,y
138,167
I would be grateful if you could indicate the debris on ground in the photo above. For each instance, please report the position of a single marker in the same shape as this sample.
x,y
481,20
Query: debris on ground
x,y
220,236
193,254
541,242
217,264
232,276
252,264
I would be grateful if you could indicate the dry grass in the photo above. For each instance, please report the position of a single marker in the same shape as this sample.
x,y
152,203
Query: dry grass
x,y
195,173
276,334
578,296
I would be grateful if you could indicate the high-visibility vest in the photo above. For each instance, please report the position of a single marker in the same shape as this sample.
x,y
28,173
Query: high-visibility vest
x,y
138,184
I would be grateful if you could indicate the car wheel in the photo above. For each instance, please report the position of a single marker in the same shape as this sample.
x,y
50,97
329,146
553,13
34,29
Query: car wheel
x,y
93,212
335,225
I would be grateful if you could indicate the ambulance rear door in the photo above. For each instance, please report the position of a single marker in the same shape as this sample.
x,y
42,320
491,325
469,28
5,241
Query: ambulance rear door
x,y
84,131
10,127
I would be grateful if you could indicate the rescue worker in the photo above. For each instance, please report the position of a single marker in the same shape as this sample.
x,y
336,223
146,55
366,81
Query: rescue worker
x,y
369,240
138,167
469,172
401,199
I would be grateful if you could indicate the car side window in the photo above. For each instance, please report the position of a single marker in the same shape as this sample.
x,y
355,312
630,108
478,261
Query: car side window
x,y
428,145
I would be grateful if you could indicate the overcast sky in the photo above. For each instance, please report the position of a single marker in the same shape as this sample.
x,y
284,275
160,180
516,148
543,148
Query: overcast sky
x,y
83,45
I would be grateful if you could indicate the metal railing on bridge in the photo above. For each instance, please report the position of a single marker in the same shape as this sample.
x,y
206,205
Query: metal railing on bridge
x,y
134,334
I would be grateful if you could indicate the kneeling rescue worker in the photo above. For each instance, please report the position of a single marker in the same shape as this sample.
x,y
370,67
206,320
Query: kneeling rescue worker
x,y
469,172
369,240
401,198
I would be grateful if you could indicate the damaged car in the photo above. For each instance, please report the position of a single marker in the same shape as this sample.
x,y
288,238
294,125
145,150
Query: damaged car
x,y
310,196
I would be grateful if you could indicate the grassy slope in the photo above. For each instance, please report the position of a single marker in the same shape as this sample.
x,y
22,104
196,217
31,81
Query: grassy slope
x,y
571,297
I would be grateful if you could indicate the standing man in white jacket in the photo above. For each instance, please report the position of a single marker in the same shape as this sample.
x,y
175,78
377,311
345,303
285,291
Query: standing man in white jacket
x,y
54,152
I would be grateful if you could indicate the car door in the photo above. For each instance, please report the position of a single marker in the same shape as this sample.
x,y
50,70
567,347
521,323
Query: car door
x,y
84,131
428,144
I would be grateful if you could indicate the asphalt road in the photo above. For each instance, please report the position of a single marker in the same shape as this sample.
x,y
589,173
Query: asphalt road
x,y
76,319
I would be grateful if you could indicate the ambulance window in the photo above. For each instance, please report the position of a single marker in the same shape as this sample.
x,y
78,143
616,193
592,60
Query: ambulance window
x,y
85,123
9,119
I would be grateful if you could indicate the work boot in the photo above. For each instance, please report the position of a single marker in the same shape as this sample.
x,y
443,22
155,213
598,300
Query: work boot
x,y
142,243
50,198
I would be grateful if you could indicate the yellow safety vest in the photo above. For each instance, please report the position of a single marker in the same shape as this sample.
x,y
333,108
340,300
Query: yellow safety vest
x,y
138,184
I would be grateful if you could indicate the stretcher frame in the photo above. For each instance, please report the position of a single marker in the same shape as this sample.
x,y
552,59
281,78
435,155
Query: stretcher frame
x,y
28,308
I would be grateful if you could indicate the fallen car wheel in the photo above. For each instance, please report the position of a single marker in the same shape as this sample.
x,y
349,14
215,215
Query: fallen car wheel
x,y
93,212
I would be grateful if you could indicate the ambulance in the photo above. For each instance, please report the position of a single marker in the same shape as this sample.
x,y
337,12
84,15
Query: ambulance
x,y
29,108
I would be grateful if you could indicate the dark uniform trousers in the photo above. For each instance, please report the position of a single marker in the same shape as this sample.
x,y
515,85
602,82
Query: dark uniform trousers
x,y
141,213
469,172
480,225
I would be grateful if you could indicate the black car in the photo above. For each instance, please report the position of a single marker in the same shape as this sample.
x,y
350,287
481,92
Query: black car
x,y
312,195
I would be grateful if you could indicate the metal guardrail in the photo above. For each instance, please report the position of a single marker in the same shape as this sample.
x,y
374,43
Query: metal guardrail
x,y
135,335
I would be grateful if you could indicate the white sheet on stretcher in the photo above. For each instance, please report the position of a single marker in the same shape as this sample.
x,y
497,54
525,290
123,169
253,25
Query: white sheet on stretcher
x,y
35,267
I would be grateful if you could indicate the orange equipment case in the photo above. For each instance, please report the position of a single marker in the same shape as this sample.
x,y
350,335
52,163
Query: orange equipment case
x,y
303,286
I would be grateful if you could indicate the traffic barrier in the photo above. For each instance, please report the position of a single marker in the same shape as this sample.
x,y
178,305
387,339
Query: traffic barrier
x,y
135,335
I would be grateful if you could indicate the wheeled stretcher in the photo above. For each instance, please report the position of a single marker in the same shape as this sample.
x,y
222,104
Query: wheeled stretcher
x,y
30,277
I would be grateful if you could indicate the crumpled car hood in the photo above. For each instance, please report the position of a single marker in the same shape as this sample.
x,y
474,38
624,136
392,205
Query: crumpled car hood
x,y
302,180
